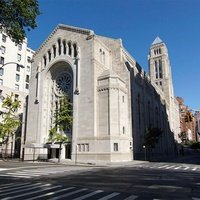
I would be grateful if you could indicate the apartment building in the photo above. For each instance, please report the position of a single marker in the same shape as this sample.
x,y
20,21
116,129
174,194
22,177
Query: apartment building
x,y
15,69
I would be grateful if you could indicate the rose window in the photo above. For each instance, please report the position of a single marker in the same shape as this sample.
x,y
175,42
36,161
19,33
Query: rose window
x,y
63,83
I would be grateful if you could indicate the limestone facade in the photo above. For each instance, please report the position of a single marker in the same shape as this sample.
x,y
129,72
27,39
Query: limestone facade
x,y
113,99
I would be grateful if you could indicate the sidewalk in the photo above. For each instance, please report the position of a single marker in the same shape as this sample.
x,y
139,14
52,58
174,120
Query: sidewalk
x,y
99,164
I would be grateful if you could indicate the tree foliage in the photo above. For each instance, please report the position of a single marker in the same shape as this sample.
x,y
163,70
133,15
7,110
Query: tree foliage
x,y
17,16
152,136
10,118
183,137
62,123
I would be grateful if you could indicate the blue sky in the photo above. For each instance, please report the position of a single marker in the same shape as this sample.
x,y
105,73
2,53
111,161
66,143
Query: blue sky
x,y
137,23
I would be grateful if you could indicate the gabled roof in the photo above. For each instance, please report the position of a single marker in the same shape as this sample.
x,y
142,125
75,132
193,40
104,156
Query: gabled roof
x,y
157,41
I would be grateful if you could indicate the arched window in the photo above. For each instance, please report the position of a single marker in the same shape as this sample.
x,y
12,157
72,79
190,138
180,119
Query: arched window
x,y
54,51
45,60
75,50
49,54
59,46
69,48
64,47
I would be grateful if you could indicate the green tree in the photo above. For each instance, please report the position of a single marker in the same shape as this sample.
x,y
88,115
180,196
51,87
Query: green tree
x,y
10,119
17,16
62,122
183,137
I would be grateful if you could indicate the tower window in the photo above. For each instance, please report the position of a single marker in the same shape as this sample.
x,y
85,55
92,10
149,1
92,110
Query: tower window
x,y
160,69
156,69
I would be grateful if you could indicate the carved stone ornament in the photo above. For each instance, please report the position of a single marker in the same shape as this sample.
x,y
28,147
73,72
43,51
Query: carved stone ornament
x,y
62,83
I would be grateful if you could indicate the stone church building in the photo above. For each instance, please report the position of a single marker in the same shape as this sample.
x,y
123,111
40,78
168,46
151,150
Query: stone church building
x,y
113,99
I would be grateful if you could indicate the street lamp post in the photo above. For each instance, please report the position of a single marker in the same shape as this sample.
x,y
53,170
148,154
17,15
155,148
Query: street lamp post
x,y
22,66
145,152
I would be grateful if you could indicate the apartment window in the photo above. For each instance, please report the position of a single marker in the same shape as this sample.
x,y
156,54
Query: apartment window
x,y
1,96
2,60
27,78
17,77
16,97
27,86
123,98
28,68
1,81
3,38
116,147
29,59
1,71
19,57
18,68
3,49
20,47
16,86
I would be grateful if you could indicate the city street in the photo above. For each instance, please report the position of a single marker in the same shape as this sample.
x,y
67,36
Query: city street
x,y
143,180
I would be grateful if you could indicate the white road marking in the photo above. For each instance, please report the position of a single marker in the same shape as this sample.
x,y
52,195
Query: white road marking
x,y
88,195
109,196
68,194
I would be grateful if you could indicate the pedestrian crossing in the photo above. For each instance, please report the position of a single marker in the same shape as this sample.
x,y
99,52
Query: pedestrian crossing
x,y
176,167
39,190
34,173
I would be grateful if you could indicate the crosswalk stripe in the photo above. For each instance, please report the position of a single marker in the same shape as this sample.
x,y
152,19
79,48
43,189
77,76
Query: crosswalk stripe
x,y
186,168
2,169
177,167
170,166
163,166
16,176
109,196
52,193
88,195
23,188
33,192
22,174
13,185
194,169
132,197
68,194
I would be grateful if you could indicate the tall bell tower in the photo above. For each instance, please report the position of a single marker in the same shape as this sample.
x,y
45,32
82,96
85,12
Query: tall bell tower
x,y
160,73
160,69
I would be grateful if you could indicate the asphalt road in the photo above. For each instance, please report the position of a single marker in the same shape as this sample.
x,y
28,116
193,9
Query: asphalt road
x,y
167,180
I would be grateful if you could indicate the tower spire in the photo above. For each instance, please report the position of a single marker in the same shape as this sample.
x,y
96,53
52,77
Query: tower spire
x,y
157,41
